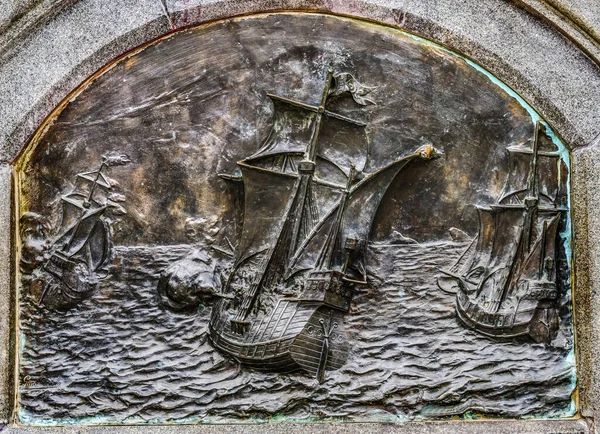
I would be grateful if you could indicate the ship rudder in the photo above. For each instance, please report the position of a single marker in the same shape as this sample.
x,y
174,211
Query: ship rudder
x,y
321,346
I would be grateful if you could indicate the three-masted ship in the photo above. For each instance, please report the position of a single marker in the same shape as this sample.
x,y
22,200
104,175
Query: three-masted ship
x,y
308,212
506,280
83,245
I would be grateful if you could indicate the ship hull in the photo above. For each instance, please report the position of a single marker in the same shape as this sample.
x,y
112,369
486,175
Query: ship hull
x,y
299,335
536,319
66,288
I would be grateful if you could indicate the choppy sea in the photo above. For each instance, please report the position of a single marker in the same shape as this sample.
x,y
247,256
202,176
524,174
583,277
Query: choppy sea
x,y
120,357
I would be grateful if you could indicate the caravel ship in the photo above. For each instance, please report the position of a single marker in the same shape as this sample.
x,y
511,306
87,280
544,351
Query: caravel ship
x,y
505,282
83,247
307,216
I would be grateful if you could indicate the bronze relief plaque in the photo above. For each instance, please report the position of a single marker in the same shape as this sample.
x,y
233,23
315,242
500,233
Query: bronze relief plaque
x,y
293,217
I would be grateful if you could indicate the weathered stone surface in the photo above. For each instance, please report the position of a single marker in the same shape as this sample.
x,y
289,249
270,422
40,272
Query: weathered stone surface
x,y
584,13
5,289
55,58
21,17
454,24
446,427
569,24
12,10
586,220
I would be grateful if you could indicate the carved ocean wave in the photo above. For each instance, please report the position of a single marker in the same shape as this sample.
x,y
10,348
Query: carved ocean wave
x,y
121,357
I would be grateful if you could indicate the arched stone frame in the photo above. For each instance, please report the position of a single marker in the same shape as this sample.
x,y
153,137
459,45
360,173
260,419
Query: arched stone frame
x,y
545,60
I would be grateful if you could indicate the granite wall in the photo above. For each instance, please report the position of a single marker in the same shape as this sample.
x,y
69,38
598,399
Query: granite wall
x,y
546,50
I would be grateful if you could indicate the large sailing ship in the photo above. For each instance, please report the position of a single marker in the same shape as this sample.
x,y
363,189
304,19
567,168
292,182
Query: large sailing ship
x,y
82,248
506,280
308,212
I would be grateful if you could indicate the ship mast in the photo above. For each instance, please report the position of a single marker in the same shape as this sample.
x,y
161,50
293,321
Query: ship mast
x,y
326,256
86,203
532,199
531,204
291,229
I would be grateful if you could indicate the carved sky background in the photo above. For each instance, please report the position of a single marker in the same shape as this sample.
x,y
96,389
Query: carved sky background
x,y
190,106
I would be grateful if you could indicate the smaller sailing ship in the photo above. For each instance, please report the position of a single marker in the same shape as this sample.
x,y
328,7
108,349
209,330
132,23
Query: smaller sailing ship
x,y
505,282
307,219
83,247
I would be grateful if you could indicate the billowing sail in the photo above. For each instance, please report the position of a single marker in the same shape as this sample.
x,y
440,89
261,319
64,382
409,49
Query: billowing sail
x,y
506,249
337,145
534,266
311,251
268,196
99,245
473,271
363,202
82,231
485,237
515,189
355,221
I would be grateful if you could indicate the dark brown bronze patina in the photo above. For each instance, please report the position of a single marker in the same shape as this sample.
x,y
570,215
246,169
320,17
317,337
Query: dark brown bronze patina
x,y
81,246
300,257
246,220
506,280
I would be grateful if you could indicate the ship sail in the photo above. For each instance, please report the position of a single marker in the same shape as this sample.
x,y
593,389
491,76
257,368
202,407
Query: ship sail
x,y
82,233
484,246
336,147
312,249
267,198
289,133
472,266
534,267
516,188
303,201
354,218
509,222
363,202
